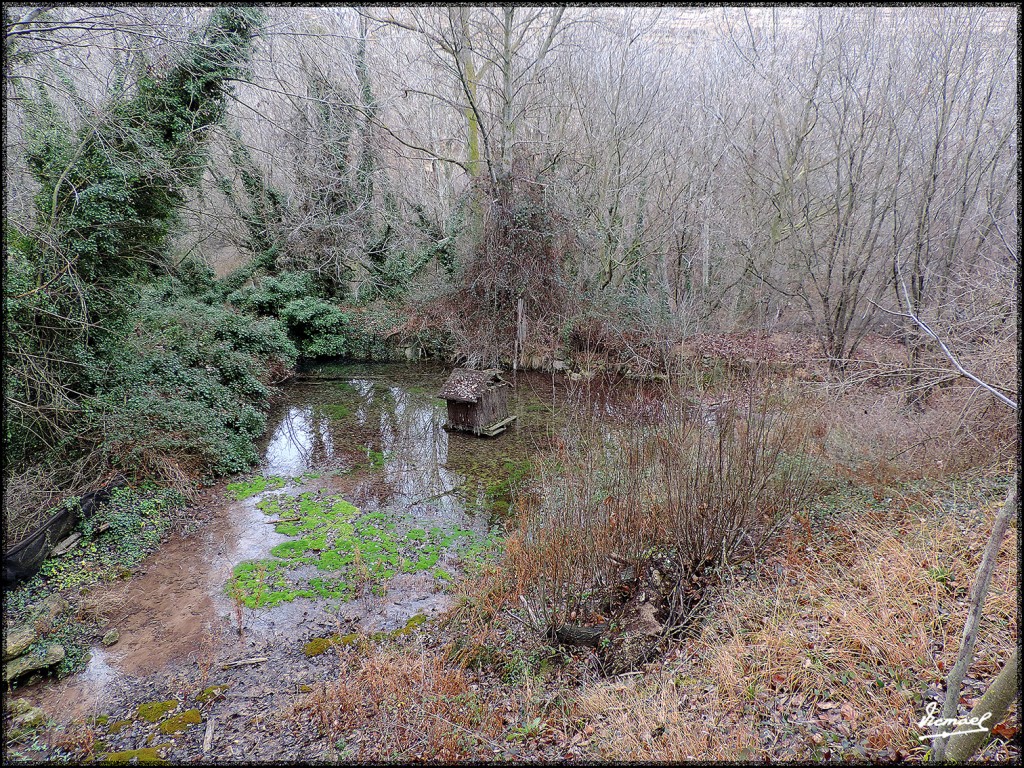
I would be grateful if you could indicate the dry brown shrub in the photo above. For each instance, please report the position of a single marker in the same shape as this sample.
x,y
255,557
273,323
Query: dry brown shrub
x,y
706,481
875,436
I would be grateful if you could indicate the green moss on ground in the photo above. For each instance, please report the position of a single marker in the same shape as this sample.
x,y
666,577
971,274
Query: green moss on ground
x,y
118,726
321,645
144,756
181,722
243,489
154,710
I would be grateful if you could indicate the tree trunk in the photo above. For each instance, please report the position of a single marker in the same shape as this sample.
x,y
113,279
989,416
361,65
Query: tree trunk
x,y
996,701
981,585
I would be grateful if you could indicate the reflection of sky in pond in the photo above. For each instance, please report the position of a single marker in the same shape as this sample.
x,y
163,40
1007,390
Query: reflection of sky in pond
x,y
297,443
407,428
416,448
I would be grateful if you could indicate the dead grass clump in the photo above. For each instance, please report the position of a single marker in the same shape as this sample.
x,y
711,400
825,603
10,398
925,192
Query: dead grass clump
x,y
76,738
407,706
661,717
831,651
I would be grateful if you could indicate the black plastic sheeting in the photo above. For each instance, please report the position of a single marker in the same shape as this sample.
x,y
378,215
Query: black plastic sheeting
x,y
24,560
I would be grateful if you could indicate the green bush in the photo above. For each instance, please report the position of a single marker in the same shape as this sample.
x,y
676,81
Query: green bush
x,y
190,383
108,195
318,328
270,295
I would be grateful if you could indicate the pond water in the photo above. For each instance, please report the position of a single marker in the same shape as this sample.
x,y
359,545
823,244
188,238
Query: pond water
x,y
366,492
388,418
364,444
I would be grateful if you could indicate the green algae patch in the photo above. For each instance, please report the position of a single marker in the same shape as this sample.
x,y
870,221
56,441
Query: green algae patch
x,y
263,584
211,693
144,756
154,710
118,726
181,723
338,550
246,488
336,411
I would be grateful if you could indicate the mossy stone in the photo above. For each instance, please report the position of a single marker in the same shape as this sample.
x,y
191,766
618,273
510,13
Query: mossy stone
x,y
182,722
19,706
17,641
111,637
33,718
154,710
53,654
144,756
211,693
319,645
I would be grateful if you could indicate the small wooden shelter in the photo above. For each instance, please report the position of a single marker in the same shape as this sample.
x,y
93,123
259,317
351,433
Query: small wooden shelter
x,y
477,401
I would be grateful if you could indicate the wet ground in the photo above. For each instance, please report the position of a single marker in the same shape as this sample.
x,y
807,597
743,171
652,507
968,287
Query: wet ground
x,y
372,434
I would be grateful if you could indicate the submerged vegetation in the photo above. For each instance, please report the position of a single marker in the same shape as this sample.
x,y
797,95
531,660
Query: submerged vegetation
x,y
352,552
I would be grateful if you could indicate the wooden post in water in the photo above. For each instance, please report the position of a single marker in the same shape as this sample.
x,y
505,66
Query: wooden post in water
x,y
520,335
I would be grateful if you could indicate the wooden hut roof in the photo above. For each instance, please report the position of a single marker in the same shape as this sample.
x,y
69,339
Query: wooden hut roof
x,y
468,386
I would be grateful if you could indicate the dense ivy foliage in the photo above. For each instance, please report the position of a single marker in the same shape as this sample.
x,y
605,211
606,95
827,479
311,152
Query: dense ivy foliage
x,y
268,296
110,192
95,358
188,384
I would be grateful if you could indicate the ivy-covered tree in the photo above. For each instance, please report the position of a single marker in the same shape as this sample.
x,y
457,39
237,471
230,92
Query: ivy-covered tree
x,y
109,195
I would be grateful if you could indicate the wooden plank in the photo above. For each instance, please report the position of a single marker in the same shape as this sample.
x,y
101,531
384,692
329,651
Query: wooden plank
x,y
497,428
245,662
66,545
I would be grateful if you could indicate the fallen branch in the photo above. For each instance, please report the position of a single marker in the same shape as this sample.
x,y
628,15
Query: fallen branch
x,y
208,738
245,662
435,496
282,520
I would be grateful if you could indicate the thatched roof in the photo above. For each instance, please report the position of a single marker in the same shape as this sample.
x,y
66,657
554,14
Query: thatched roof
x,y
467,386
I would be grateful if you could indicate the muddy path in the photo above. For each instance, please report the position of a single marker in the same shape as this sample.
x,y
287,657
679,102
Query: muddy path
x,y
372,436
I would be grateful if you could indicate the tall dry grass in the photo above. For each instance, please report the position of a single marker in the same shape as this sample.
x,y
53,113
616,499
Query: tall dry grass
x,y
832,651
